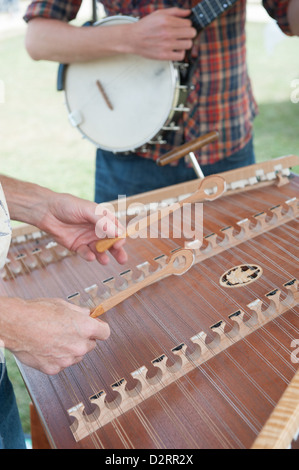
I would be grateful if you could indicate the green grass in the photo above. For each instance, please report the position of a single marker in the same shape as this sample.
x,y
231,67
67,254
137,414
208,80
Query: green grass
x,y
272,73
38,144
22,396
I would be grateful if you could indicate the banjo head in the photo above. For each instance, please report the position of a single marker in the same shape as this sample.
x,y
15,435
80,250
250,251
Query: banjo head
x,y
121,102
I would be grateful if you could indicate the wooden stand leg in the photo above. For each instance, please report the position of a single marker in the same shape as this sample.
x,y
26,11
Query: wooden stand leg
x,y
38,435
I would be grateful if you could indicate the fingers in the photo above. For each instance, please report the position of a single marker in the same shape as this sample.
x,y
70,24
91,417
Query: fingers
x,y
107,224
64,334
119,253
89,253
92,329
175,11
86,253
176,55
102,330
162,36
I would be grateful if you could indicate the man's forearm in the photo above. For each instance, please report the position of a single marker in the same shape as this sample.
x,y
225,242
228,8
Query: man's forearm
x,y
27,202
293,16
45,37
165,34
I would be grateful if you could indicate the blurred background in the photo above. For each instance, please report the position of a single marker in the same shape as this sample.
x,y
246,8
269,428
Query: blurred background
x,y
38,144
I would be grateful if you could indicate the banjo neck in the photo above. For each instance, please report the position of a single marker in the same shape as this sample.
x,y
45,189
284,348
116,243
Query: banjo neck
x,y
205,12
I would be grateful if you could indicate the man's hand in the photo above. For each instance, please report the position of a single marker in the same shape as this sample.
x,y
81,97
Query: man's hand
x,y
165,35
75,223
49,334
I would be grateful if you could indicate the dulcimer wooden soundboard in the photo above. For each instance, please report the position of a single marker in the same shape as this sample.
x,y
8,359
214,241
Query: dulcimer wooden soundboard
x,y
203,349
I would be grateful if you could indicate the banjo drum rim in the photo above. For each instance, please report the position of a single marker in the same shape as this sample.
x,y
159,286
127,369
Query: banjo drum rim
x,y
165,119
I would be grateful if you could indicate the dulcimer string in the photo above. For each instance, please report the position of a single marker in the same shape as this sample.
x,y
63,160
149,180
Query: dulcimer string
x,y
198,391
274,271
270,280
278,268
139,411
39,289
251,291
158,321
270,235
268,259
137,295
135,365
227,353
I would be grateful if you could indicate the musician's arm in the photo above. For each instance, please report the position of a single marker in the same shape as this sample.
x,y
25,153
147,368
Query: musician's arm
x,y
54,40
164,34
73,222
47,334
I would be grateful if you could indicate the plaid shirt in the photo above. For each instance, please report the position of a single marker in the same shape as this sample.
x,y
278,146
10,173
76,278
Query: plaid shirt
x,y
222,97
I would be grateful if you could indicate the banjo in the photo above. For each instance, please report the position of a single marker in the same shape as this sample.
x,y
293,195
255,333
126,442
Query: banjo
x,y
120,103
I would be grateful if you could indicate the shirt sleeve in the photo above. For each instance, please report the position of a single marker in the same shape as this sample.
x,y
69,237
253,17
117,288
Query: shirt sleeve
x,y
56,9
277,9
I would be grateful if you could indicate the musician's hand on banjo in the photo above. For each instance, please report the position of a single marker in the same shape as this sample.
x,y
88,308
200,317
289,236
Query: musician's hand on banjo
x,y
164,34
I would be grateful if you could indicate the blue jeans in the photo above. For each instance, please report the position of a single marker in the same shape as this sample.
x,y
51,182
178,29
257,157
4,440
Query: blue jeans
x,y
126,175
11,433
